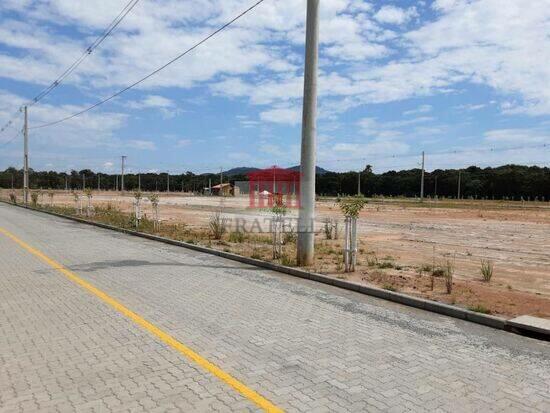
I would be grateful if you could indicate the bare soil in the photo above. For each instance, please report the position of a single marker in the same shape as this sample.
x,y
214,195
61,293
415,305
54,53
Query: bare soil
x,y
396,239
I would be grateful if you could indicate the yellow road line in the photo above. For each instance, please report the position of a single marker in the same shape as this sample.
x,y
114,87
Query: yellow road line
x,y
164,337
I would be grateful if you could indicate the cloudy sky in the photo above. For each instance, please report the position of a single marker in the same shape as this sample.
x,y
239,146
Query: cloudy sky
x,y
395,78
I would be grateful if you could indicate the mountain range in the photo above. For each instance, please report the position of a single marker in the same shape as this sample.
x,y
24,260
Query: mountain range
x,y
243,170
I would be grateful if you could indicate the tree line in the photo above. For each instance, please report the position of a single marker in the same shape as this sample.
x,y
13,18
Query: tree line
x,y
503,182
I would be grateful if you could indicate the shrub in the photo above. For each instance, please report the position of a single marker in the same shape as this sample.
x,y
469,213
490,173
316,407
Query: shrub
x,y
327,228
480,308
287,261
486,270
449,271
289,237
13,198
34,199
372,260
217,225
236,236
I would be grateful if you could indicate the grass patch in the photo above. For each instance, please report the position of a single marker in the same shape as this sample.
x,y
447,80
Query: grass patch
x,y
486,270
479,308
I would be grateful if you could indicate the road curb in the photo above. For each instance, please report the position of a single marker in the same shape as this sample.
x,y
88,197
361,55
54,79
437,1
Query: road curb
x,y
421,303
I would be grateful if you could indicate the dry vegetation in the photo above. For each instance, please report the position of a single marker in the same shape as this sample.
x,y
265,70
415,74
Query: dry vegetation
x,y
488,256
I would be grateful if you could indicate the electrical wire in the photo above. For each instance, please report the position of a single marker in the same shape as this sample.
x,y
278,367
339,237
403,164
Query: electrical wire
x,y
450,152
143,79
4,144
116,21
112,26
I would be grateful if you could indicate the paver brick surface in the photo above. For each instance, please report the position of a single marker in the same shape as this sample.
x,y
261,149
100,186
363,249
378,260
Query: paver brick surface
x,y
302,345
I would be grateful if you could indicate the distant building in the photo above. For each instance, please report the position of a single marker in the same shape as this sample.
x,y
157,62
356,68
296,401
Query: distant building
x,y
269,186
222,190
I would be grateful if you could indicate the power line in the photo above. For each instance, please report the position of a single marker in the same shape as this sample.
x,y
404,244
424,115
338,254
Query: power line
x,y
116,21
204,40
4,144
450,152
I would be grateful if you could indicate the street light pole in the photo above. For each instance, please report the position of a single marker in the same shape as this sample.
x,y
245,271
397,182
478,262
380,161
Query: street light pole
x,y
26,158
306,218
123,158
459,176
422,182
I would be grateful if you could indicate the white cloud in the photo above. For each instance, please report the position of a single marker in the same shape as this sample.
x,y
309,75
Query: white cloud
x,y
141,144
290,116
395,15
420,109
181,143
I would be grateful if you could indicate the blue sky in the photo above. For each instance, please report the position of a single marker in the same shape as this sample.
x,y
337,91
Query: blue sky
x,y
396,78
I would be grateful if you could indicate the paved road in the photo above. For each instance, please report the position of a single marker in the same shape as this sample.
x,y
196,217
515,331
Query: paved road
x,y
300,345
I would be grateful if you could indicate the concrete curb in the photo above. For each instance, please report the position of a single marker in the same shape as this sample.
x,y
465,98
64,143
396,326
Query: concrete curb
x,y
428,305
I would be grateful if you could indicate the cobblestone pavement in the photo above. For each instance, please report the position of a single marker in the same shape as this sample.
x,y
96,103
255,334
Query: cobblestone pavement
x,y
302,345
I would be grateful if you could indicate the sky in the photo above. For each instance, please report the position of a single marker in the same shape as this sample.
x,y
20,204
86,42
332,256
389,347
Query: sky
x,y
466,81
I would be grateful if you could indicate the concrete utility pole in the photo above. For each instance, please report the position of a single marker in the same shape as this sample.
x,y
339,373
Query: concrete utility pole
x,y
116,183
26,158
139,182
459,176
422,182
167,181
122,158
359,183
221,176
66,183
83,182
306,219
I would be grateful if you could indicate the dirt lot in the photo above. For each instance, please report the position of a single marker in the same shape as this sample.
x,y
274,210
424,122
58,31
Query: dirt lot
x,y
399,238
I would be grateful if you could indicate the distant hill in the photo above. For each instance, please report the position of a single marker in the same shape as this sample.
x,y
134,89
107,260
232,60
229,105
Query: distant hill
x,y
319,170
243,170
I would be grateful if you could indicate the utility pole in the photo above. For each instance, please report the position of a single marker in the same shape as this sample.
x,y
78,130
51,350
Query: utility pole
x,y
66,183
167,181
221,176
122,158
83,182
459,176
306,219
209,186
139,182
435,188
26,158
422,182
116,183
359,183
98,182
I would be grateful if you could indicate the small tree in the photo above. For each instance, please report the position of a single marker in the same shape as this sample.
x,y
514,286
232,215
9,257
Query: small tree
x,y
77,203
486,270
279,210
34,199
13,198
89,194
154,199
351,208
448,273
137,207
217,225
